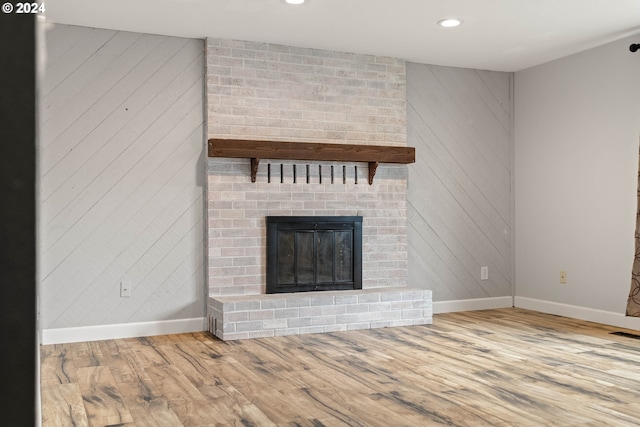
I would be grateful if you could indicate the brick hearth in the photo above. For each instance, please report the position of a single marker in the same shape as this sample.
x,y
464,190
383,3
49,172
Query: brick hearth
x,y
259,316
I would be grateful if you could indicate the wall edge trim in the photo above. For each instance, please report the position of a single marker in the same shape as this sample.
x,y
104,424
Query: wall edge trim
x,y
123,330
576,312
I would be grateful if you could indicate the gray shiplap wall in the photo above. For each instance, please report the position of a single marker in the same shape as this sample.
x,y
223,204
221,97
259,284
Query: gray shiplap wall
x,y
459,210
121,178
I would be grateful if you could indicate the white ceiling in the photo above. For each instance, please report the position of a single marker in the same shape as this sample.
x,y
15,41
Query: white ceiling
x,y
502,35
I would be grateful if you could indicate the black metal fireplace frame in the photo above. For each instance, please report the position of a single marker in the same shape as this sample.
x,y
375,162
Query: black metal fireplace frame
x,y
312,224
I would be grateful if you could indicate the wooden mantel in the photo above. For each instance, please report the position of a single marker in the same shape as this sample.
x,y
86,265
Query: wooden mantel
x,y
287,150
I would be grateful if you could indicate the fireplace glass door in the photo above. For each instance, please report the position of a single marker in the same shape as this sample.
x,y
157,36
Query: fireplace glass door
x,y
313,253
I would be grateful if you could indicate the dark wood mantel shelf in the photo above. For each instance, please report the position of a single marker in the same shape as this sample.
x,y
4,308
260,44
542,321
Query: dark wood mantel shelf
x,y
287,150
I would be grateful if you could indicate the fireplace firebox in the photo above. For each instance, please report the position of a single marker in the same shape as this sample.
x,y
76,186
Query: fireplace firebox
x,y
313,253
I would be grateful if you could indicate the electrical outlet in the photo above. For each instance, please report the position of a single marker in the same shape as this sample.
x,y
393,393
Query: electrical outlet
x,y
484,273
563,277
125,289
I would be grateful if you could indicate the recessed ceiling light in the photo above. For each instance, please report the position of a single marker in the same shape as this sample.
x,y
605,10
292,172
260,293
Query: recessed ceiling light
x,y
450,22
294,1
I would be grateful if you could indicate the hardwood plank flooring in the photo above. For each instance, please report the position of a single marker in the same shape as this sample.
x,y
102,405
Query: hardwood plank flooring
x,y
507,367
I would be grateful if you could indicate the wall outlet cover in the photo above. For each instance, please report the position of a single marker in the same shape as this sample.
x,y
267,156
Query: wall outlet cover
x,y
125,289
563,277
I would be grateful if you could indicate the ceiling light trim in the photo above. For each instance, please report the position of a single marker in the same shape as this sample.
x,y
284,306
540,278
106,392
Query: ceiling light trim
x,y
450,22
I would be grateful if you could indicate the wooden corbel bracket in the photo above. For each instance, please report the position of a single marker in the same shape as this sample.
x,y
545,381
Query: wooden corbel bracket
x,y
373,166
254,168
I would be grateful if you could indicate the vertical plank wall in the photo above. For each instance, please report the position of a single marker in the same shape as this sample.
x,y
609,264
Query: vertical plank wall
x,y
121,178
459,210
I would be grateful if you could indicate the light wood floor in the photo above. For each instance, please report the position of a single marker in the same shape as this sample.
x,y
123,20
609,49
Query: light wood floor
x,y
507,367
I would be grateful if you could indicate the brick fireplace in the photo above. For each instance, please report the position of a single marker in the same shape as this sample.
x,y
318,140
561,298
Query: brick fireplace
x,y
259,91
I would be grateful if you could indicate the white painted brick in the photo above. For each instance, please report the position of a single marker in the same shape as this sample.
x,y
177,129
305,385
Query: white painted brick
x,y
380,306
244,281
401,305
249,326
274,324
391,315
287,321
344,72
236,316
300,322
261,315
298,302
323,320
357,308
412,314
346,299
422,304
355,318
286,313
247,305
334,309
225,290
217,305
228,306
413,295
310,311
373,297
273,303
227,327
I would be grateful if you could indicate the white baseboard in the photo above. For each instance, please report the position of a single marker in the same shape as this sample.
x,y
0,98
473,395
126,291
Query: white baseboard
x,y
471,304
143,329
583,313
123,330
